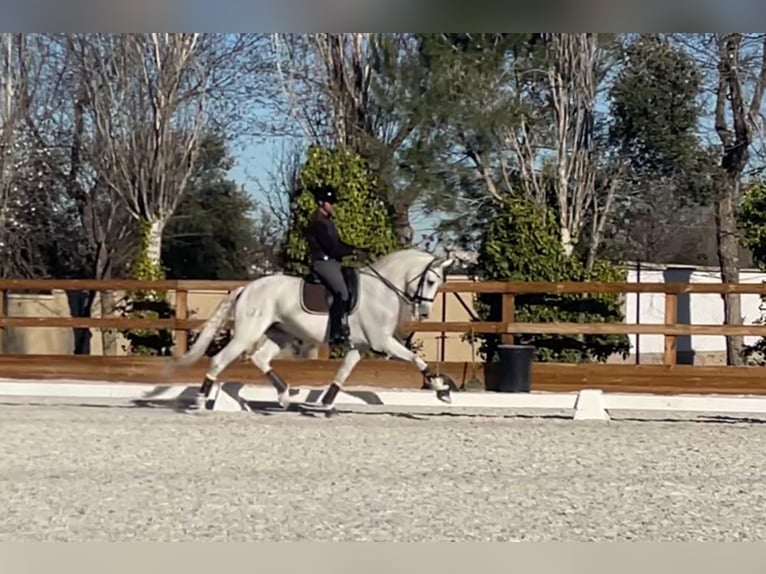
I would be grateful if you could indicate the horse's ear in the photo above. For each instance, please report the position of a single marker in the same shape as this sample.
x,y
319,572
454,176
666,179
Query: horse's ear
x,y
442,262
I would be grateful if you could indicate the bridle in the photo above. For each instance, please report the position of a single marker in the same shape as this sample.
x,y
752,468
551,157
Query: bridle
x,y
412,300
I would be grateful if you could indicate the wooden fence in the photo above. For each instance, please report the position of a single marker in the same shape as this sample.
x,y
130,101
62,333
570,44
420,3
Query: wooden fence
x,y
665,378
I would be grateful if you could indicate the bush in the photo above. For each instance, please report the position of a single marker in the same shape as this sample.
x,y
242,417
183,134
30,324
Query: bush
x,y
521,243
752,220
363,218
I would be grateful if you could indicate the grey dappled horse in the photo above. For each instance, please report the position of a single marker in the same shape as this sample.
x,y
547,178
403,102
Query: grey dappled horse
x,y
288,309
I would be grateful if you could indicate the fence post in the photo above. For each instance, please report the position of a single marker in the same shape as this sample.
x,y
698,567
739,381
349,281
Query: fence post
x,y
671,317
508,317
2,314
182,313
443,335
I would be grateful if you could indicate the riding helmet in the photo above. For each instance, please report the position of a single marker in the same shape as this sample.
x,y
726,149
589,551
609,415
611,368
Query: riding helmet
x,y
326,193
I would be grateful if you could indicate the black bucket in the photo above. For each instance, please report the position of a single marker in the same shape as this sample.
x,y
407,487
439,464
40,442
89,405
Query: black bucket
x,y
515,368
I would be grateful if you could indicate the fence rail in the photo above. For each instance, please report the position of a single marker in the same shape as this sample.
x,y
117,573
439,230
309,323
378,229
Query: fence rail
x,y
507,327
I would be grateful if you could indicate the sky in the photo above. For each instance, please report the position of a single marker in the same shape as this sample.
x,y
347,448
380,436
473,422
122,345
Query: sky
x,y
254,162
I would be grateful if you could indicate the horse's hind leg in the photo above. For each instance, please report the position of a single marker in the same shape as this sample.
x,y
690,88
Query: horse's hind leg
x,y
244,339
350,360
276,341
220,361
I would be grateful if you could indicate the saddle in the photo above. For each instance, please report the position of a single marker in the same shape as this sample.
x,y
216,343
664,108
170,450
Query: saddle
x,y
317,299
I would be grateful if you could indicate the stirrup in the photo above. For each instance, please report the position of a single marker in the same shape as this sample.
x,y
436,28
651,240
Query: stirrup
x,y
340,338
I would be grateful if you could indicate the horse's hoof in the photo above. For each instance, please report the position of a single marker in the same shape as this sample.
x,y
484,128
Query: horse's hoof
x,y
197,407
450,383
209,404
314,407
327,410
444,396
196,404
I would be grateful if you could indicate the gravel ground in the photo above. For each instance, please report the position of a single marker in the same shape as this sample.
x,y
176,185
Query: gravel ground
x,y
113,472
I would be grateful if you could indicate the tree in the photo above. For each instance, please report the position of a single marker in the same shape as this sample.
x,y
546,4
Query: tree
x,y
362,217
56,125
146,99
50,232
150,99
520,120
15,156
473,94
735,72
655,108
752,220
732,69
68,133
213,233
652,224
574,73
655,114
735,130
48,238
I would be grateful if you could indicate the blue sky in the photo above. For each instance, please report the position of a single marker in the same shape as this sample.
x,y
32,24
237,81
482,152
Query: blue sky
x,y
253,163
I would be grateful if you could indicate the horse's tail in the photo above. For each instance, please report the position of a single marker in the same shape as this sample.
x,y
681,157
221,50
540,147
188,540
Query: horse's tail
x,y
210,328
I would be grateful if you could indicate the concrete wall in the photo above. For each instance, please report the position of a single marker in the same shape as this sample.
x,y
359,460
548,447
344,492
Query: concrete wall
x,y
693,309
37,340
54,340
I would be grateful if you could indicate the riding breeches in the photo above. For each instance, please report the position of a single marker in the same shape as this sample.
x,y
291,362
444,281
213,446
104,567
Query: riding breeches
x,y
330,273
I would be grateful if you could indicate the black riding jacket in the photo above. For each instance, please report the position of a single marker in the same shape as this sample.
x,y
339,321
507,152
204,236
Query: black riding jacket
x,y
323,239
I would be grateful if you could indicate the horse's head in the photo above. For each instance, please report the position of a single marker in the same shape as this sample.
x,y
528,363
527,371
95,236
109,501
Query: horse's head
x,y
423,285
416,277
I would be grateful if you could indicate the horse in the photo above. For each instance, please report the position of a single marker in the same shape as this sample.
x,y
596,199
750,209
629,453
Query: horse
x,y
293,309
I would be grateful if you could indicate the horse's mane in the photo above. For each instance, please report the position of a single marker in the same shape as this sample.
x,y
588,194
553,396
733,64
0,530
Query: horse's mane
x,y
395,257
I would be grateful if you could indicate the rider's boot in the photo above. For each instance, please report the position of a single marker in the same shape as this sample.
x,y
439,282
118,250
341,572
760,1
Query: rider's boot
x,y
339,331
344,332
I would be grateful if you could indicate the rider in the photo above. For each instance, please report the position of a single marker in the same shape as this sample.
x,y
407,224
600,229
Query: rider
x,y
327,250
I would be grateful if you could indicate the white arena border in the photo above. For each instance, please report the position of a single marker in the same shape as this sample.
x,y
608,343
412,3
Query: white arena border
x,y
586,405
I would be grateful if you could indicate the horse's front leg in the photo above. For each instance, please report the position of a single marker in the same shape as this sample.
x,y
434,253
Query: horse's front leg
x,y
394,348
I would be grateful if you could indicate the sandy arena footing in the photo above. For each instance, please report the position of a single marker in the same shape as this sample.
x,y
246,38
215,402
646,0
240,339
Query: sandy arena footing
x,y
79,470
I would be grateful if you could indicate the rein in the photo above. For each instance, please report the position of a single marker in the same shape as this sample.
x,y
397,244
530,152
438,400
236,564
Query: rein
x,y
412,301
